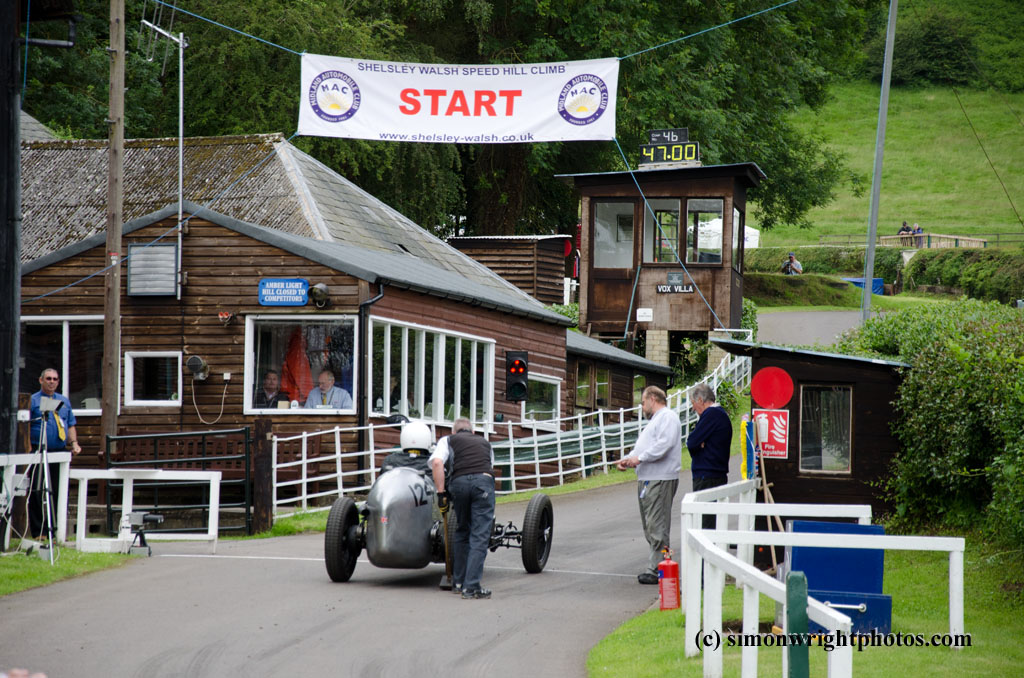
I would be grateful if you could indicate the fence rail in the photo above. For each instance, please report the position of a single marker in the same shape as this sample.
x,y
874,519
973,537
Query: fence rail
x,y
987,239
528,455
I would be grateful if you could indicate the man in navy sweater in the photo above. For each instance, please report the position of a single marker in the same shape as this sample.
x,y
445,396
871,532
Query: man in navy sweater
x,y
709,443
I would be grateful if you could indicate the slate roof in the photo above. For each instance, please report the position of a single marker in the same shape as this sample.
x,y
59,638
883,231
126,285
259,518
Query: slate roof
x,y
753,350
581,344
33,130
255,179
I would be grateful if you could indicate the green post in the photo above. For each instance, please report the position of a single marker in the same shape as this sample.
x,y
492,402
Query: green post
x,y
796,623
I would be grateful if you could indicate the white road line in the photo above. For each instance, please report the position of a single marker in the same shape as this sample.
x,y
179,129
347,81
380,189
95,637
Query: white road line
x,y
361,560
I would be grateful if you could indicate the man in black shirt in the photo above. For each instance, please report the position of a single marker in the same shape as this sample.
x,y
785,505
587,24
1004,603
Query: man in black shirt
x,y
472,494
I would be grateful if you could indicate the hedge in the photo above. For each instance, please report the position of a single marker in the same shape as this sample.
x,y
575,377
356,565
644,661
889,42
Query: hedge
x,y
958,415
989,274
844,261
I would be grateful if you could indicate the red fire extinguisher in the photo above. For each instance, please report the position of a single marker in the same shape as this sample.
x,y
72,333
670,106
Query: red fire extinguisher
x,y
668,582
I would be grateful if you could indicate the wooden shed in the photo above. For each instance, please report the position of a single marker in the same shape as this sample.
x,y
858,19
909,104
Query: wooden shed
x,y
632,282
601,376
533,263
840,441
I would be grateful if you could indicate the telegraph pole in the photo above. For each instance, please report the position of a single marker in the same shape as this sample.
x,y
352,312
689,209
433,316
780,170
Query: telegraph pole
x,y
115,196
10,226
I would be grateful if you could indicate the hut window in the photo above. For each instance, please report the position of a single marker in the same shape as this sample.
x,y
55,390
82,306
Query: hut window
x,y
603,387
542,401
639,384
738,232
704,231
661,231
826,416
299,349
152,379
426,373
74,347
583,390
613,235
152,270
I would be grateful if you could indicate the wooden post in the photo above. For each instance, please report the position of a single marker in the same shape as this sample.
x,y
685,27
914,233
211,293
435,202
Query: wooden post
x,y
262,477
796,623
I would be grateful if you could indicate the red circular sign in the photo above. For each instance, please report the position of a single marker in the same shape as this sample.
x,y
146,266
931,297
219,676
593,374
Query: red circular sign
x,y
771,387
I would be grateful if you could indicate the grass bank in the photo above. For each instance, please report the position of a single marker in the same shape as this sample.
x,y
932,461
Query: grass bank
x,y
651,645
820,292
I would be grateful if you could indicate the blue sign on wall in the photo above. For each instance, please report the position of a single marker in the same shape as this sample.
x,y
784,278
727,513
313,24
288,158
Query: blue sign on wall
x,y
284,292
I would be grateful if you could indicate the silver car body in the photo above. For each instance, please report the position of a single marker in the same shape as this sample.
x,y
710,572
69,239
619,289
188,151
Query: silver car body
x,y
401,515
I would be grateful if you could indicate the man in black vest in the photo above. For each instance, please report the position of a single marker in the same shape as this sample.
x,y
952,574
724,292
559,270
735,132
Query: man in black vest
x,y
472,494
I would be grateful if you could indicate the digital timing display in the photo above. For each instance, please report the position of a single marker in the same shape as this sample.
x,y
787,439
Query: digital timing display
x,y
669,152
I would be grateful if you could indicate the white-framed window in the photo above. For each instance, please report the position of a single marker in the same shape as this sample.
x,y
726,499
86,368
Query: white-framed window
x,y
661,234
704,217
152,378
738,233
543,401
428,373
72,345
301,350
826,428
613,234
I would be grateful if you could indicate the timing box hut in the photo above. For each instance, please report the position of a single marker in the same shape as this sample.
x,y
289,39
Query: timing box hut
x,y
630,280
840,441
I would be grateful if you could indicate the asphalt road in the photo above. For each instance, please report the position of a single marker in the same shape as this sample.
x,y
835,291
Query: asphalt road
x,y
267,608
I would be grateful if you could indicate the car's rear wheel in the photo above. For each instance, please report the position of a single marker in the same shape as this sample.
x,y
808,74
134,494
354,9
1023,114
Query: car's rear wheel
x,y
341,541
538,528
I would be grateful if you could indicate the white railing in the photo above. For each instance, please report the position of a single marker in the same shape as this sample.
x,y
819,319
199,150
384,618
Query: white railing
x,y
705,551
528,454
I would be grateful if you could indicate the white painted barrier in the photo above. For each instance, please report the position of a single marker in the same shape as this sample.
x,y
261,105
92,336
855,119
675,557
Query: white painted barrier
x,y
10,463
129,476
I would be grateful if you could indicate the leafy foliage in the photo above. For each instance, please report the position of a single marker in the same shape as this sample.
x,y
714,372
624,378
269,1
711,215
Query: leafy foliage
x,y
992,274
571,311
931,46
748,317
732,87
959,411
847,261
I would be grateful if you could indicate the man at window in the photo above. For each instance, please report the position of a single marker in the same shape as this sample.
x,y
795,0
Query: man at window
x,y
328,396
270,395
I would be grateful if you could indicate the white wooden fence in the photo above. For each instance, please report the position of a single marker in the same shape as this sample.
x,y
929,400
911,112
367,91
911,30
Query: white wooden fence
x,y
705,552
528,454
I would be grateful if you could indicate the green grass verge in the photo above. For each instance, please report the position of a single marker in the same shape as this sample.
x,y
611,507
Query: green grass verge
x,y
19,572
651,645
934,171
821,293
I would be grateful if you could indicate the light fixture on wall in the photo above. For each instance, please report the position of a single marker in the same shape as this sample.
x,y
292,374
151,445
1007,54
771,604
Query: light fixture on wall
x,y
198,367
320,295
225,317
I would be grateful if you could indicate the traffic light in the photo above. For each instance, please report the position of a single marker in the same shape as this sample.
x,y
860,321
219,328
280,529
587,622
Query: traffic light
x,y
517,371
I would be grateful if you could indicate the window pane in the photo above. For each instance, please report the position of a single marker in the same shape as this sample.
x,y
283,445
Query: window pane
x,y
660,242
613,234
541,401
377,373
466,377
583,385
639,384
85,385
430,348
300,351
604,388
738,233
395,371
416,367
41,347
704,231
825,416
154,378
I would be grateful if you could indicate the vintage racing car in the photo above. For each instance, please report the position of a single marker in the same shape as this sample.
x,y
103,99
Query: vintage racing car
x,y
401,526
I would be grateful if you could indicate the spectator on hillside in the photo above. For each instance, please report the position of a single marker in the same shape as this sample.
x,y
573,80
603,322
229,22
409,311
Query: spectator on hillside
x,y
919,238
905,232
791,266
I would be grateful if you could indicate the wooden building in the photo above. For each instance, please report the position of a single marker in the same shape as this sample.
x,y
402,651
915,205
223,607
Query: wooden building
x,y
840,441
630,278
600,376
535,264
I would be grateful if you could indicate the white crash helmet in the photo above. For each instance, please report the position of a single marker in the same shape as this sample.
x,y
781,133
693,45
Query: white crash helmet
x,y
416,436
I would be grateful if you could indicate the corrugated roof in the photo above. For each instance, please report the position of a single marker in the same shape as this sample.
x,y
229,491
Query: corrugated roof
x,y
33,130
581,344
753,172
279,187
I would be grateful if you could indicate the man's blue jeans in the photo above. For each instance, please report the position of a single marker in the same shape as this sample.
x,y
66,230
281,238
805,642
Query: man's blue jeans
x,y
473,499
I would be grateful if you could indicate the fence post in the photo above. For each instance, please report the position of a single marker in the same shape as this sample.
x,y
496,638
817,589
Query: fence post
x,y
337,458
262,476
714,580
305,471
748,666
796,623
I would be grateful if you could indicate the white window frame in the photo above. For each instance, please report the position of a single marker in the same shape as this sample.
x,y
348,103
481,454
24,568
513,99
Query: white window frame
x,y
800,433
550,424
65,367
439,407
129,379
250,380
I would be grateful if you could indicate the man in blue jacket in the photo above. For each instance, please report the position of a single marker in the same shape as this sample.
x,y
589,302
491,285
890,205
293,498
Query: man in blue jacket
x,y
61,435
709,443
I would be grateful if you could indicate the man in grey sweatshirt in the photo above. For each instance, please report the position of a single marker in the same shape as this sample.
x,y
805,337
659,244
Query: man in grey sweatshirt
x,y
657,458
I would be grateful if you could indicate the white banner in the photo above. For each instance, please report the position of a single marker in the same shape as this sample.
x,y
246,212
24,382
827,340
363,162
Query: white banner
x,y
486,104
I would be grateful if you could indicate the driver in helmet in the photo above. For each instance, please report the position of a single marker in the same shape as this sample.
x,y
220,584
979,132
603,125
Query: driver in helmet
x,y
416,441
